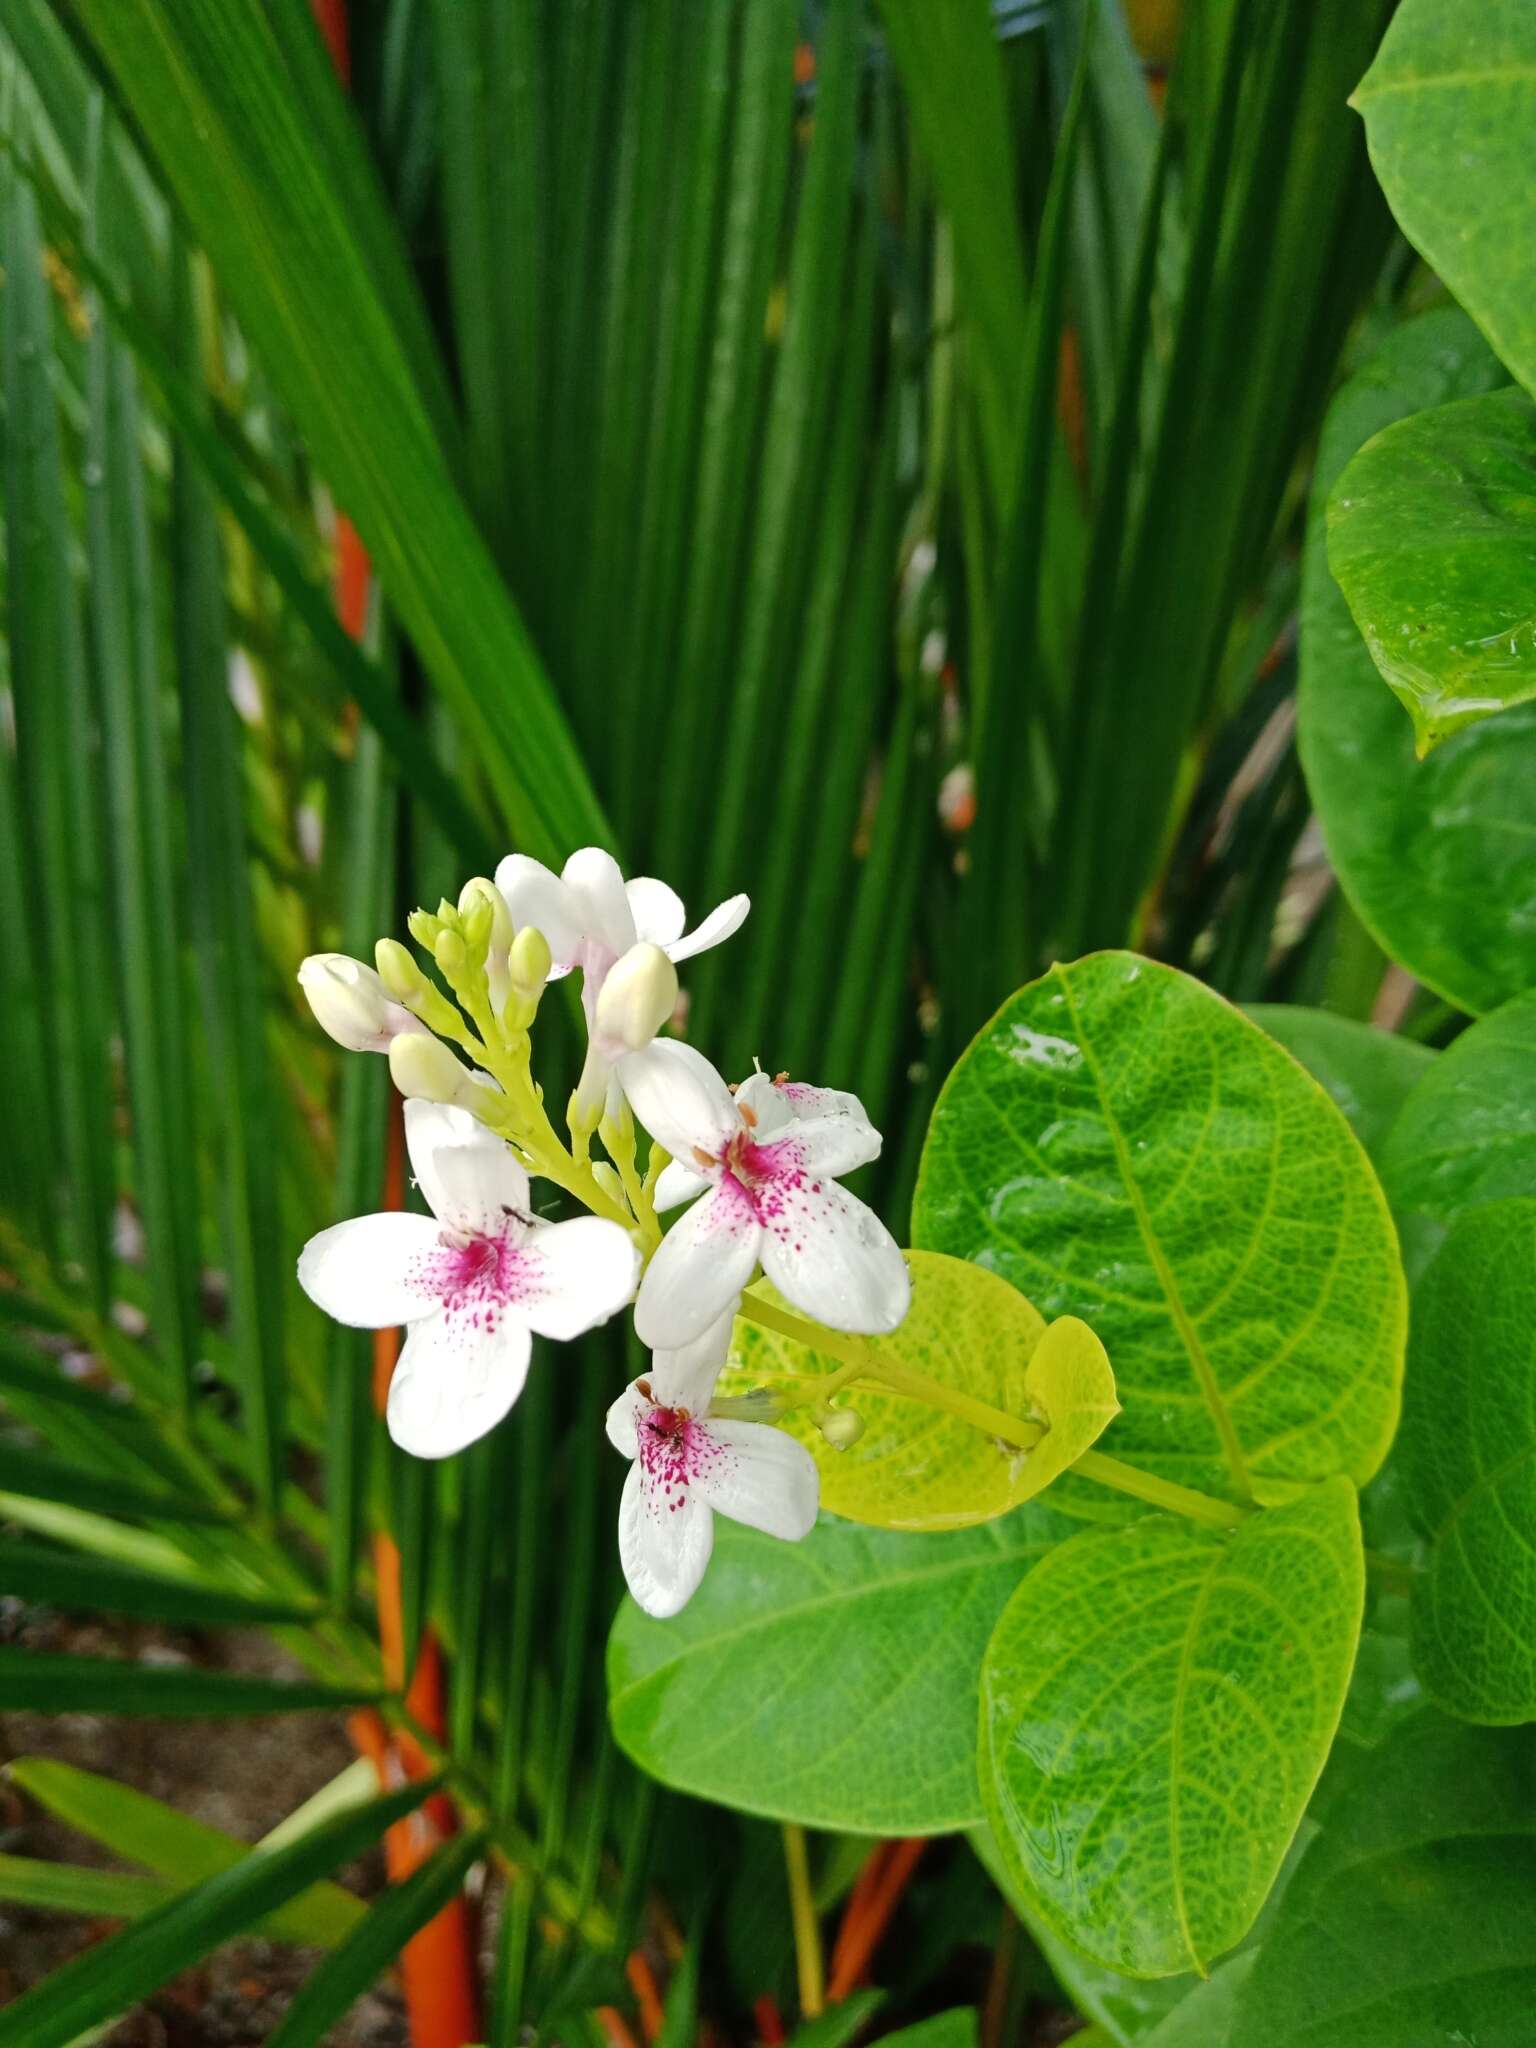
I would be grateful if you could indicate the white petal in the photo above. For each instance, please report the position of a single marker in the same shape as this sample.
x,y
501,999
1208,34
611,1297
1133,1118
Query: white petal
x,y
454,1381
764,1479
700,1267
535,896
596,888
664,1544
676,1183
679,1098
725,918
623,1417
762,1106
575,1275
831,1256
359,1271
685,1377
837,1144
657,910
468,1175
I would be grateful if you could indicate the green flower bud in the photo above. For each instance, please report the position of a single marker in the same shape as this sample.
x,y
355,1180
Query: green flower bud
x,y
842,1427
423,928
451,955
530,962
607,1178
398,971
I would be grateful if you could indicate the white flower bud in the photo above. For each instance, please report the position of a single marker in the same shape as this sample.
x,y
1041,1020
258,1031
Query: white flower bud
x,y
423,1069
638,995
352,1004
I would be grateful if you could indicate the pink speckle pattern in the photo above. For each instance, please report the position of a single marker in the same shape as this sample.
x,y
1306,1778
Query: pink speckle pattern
x,y
475,1278
675,1452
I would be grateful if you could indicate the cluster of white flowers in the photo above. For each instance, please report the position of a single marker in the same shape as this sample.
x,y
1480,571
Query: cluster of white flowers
x,y
476,1281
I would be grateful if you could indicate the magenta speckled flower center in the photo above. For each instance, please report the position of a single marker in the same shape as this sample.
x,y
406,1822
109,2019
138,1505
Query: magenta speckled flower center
x,y
765,1174
674,1452
473,1276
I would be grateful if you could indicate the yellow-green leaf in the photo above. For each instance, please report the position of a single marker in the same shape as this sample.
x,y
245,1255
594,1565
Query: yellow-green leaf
x,y
1071,1388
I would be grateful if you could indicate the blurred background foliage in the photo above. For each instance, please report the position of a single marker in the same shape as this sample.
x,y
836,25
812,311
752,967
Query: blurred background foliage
x,y
853,454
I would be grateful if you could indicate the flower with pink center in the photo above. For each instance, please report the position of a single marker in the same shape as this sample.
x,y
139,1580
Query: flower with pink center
x,y
473,1283
764,1162
592,918
689,1466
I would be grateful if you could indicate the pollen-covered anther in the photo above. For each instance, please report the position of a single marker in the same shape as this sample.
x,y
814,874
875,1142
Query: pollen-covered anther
x,y
705,1159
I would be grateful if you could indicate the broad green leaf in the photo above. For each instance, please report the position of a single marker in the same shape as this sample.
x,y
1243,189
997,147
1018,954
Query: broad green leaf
x,y
1125,2007
957,2029
1469,1457
82,1585
43,1682
832,1681
1157,1704
1203,2017
1126,1147
260,150
1408,1923
117,1973
917,1467
1369,1073
142,1829
1449,105
1438,857
1467,1134
1430,533
840,2024
380,1934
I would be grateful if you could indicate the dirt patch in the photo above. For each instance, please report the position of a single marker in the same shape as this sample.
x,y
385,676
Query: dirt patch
x,y
241,1776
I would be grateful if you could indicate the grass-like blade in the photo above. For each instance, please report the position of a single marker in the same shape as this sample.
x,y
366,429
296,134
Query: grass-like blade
x,y
74,1888
117,1973
85,1585
373,1945
39,1681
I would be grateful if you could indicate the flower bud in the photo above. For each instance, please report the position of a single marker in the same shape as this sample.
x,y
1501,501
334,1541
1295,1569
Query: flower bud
x,y
842,1427
481,903
423,928
638,995
352,1004
451,955
398,971
530,962
607,1178
423,1069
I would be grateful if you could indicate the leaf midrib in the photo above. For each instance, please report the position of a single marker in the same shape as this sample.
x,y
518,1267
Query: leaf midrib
x,y
1204,1372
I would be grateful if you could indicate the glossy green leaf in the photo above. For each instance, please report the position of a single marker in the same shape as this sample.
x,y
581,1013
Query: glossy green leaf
x,y
1430,533
916,1467
60,1578
262,153
1204,2017
380,1934
831,1682
142,1829
42,1681
1125,2007
1438,857
1469,1453
117,1973
1448,105
1467,1134
840,2024
1126,1147
957,2029
1369,1073
1408,1923
1157,1704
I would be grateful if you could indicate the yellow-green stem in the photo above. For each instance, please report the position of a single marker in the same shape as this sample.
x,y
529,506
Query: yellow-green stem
x,y
802,1908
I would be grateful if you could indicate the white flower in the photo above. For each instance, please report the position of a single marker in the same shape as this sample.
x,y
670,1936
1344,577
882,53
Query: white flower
x,y
764,1161
688,1467
591,916
472,1282
352,1005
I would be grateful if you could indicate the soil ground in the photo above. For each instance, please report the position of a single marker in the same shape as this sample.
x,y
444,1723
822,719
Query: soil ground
x,y
241,1776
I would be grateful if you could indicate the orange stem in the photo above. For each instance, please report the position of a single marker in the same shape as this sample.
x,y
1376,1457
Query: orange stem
x,y
863,1937
642,1981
